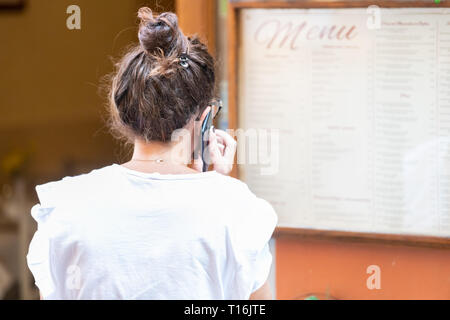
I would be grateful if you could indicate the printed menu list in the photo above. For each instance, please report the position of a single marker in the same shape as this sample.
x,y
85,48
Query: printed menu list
x,y
362,107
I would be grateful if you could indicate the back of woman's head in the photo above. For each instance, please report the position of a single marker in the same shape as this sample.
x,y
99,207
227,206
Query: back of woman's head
x,y
162,83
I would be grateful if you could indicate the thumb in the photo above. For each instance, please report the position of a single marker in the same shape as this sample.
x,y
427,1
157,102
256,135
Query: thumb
x,y
198,164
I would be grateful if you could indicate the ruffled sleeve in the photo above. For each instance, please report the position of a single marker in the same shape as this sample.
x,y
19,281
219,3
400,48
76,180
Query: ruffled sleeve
x,y
261,268
39,253
252,231
38,257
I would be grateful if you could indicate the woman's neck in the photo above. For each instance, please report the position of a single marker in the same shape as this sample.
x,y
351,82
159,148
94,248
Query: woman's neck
x,y
161,157
148,151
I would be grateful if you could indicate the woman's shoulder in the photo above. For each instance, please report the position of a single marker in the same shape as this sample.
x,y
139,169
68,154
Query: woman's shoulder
x,y
241,191
233,186
58,191
251,217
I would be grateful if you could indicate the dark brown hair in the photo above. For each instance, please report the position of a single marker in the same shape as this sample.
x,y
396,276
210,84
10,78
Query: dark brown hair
x,y
162,83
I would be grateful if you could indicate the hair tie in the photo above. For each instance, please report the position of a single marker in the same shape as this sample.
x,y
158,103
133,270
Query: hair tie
x,y
184,60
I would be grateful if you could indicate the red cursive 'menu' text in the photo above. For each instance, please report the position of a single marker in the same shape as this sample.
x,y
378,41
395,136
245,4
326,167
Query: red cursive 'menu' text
x,y
274,32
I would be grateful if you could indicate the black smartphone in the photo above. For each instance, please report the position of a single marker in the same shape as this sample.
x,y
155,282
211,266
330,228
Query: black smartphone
x,y
202,140
204,136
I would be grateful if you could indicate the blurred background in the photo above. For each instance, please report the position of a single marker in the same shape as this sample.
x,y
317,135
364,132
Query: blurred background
x,y
52,106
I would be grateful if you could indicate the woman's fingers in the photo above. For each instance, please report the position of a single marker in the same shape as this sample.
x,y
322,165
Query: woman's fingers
x,y
229,144
225,137
222,150
214,150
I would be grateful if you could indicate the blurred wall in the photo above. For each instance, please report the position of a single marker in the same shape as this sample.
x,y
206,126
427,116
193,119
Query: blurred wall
x,y
338,270
199,17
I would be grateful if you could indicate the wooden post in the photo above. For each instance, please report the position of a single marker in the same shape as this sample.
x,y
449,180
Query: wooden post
x,y
198,17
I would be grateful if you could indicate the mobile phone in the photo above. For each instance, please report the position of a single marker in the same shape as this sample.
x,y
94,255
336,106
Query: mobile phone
x,y
204,136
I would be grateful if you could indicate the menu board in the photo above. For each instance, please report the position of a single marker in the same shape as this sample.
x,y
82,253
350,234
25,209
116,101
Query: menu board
x,y
351,109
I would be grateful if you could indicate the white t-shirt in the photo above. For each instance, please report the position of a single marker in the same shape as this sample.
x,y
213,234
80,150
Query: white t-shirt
x,y
116,233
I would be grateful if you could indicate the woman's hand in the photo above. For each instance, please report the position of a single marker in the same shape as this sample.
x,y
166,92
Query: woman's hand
x,y
221,149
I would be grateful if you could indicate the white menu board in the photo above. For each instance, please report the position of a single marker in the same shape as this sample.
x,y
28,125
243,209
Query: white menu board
x,y
361,102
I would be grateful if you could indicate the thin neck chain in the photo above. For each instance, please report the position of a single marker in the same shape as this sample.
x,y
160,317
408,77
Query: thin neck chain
x,y
149,160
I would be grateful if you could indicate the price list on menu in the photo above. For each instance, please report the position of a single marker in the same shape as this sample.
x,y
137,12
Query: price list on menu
x,y
351,109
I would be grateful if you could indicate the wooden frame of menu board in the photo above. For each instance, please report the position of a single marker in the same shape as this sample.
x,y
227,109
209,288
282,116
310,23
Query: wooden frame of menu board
x,y
234,7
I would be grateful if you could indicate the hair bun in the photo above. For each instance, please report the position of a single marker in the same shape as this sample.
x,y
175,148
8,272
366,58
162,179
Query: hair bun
x,y
161,32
